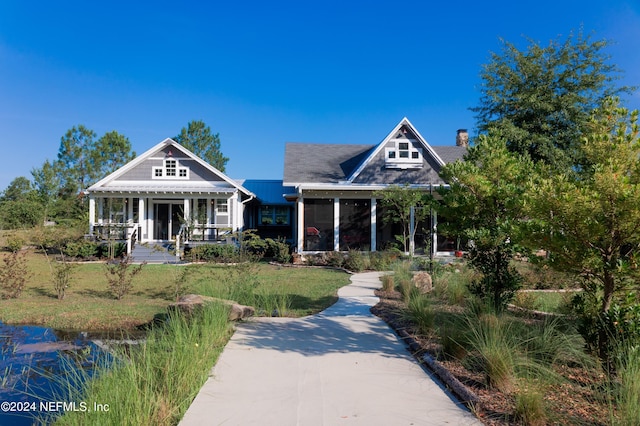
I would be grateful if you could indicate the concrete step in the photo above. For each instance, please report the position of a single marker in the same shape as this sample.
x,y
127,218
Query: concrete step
x,y
154,253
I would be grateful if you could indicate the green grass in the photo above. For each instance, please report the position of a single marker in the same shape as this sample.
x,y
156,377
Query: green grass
x,y
557,302
154,383
88,305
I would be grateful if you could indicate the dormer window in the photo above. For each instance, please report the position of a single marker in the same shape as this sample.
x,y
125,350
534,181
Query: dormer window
x,y
403,154
171,169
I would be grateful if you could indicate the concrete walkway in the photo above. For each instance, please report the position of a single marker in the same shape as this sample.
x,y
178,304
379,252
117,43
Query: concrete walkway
x,y
342,366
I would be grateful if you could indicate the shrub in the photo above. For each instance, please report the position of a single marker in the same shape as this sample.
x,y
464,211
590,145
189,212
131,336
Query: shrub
x,y
112,250
13,275
355,261
81,249
382,260
214,252
62,275
279,250
120,274
15,243
335,259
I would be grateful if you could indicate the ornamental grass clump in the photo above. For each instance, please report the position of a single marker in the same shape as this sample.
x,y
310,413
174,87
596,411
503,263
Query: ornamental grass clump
x,y
158,379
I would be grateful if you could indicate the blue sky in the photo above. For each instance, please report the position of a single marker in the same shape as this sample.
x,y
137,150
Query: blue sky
x,y
265,73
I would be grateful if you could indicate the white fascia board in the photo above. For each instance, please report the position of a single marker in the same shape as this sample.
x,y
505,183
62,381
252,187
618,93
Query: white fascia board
x,y
131,164
375,152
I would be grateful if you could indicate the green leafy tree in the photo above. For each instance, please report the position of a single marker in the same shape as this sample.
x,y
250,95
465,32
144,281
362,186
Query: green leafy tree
x,y
398,202
47,185
541,97
197,138
19,207
111,152
18,189
485,198
591,225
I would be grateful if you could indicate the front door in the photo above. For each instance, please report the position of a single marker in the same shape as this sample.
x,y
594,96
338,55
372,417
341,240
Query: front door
x,y
167,219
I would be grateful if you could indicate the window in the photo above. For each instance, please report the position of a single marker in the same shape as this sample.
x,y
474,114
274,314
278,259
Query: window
x,y
222,206
403,154
274,215
171,169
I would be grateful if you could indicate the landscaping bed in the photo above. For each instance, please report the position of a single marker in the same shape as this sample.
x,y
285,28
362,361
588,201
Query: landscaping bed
x,y
578,399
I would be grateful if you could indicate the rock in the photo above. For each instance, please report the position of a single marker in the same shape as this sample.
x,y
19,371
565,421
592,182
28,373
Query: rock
x,y
422,281
191,303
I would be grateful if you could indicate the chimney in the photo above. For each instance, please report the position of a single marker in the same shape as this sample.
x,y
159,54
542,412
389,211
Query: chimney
x,y
462,138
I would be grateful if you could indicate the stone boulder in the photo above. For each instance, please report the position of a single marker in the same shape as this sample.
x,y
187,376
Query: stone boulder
x,y
423,282
191,303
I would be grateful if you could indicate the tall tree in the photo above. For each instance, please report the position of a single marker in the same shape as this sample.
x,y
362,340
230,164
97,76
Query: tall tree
x,y
47,185
591,225
485,199
75,162
541,97
18,189
111,152
197,137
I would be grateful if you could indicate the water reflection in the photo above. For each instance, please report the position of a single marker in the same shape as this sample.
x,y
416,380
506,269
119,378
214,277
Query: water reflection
x,y
37,364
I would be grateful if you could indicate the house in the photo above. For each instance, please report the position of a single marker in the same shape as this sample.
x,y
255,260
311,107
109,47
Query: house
x,y
163,190
335,185
326,201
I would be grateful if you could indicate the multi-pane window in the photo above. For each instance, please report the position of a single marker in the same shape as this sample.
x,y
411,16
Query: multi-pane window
x,y
274,215
222,206
170,167
403,154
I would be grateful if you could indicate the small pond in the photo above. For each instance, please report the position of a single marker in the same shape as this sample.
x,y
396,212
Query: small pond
x,y
36,365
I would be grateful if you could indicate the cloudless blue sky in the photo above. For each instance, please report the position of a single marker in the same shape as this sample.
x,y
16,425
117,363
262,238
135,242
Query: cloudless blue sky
x,y
265,73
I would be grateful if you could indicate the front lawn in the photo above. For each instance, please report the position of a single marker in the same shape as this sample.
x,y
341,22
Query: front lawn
x,y
88,304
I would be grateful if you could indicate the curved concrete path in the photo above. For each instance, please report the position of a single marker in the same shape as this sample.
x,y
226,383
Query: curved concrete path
x,y
342,366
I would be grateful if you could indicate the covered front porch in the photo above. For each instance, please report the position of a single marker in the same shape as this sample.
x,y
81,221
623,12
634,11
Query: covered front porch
x,y
162,218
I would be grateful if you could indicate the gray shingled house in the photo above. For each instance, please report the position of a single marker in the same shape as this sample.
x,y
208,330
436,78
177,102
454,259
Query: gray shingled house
x,y
326,201
334,185
152,196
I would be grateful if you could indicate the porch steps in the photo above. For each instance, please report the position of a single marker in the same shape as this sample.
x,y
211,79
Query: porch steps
x,y
154,253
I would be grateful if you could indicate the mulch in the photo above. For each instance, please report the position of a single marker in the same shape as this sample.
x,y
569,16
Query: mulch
x,y
575,401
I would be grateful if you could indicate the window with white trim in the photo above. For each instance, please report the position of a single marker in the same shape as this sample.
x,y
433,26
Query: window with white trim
x,y
171,169
222,206
403,154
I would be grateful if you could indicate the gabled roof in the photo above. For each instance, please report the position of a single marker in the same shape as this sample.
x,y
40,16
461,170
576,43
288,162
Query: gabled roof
x,y
403,123
112,183
359,164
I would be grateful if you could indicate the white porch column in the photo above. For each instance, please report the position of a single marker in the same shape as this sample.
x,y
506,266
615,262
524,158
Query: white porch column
x,y
300,223
92,213
129,204
101,209
187,209
434,231
142,219
336,224
210,218
374,214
